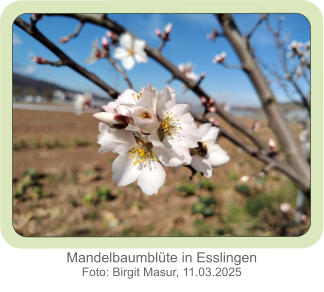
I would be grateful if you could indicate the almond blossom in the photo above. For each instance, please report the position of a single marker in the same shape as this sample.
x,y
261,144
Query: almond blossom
x,y
136,159
149,130
187,69
131,50
219,58
208,154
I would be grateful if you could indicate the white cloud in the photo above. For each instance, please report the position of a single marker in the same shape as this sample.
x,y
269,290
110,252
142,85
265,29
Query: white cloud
x,y
16,40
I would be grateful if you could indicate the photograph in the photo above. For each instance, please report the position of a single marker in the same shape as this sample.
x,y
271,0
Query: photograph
x,y
161,125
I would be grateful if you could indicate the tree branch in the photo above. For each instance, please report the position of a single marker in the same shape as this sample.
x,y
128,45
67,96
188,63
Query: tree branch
x,y
36,34
276,121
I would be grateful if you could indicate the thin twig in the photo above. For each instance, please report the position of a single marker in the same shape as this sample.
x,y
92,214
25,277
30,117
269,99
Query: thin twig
x,y
75,34
120,70
254,28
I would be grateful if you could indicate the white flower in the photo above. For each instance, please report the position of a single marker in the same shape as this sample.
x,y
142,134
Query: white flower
x,y
187,69
131,49
219,58
176,133
136,159
244,179
285,207
208,154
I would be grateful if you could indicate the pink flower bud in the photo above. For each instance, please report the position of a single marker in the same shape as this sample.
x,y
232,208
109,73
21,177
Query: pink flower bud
x,y
168,28
272,144
158,32
112,119
111,35
64,39
245,179
203,100
105,43
37,16
40,60
212,109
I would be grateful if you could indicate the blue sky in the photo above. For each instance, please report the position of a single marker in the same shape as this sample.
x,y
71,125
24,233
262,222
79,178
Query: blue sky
x,y
188,43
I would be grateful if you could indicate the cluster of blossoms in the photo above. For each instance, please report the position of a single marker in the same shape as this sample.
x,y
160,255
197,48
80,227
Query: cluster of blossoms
x,y
149,130
298,49
165,36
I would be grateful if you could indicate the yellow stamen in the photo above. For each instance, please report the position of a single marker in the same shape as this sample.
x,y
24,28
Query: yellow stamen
x,y
146,115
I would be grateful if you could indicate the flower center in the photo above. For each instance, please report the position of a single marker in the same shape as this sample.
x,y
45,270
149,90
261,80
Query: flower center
x,y
146,115
169,125
131,52
142,153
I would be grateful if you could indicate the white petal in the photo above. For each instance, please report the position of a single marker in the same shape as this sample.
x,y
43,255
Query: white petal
x,y
181,109
151,178
168,157
203,130
124,171
200,164
128,62
126,40
165,101
120,53
139,45
211,134
114,140
140,57
128,97
216,155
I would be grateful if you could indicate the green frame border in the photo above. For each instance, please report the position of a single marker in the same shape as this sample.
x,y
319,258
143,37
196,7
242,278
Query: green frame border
x,y
309,10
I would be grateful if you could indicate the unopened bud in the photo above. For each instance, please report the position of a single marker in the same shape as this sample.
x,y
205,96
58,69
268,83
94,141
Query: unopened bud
x,y
112,119
105,43
158,32
168,28
203,100
212,109
64,39
272,144
37,16
40,60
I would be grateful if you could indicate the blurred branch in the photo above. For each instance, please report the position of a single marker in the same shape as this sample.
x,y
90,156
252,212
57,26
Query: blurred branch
x,y
73,35
289,76
276,121
120,70
254,28
66,60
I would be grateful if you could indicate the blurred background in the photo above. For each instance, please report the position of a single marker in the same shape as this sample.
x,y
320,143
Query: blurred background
x,y
63,187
